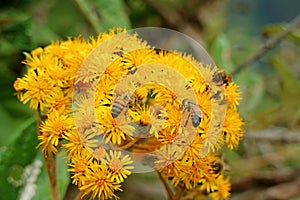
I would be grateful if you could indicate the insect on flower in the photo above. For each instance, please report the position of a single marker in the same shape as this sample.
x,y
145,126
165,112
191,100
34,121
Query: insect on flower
x,y
222,78
217,167
194,112
121,101
226,77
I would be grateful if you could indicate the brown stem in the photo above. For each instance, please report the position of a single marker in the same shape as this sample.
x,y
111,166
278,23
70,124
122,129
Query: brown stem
x,y
168,189
50,163
51,167
129,144
72,192
179,192
269,44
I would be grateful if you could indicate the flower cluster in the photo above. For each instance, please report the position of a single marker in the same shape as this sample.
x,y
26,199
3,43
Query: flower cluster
x,y
169,110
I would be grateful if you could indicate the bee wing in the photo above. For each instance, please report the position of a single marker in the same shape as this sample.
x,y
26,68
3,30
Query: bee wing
x,y
196,110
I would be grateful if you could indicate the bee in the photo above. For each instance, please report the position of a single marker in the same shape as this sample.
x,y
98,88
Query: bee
x,y
119,52
217,167
120,103
163,51
226,77
222,78
194,112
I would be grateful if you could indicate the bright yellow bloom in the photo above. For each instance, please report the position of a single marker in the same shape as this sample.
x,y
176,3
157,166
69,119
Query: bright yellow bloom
x,y
74,144
118,165
95,74
84,113
98,181
115,131
134,59
232,128
232,94
80,164
167,159
53,129
222,192
38,89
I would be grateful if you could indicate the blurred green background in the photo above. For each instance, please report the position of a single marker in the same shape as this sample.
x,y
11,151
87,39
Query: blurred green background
x,y
267,163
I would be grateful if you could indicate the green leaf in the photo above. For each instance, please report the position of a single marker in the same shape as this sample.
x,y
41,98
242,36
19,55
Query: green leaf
x,y
112,14
5,124
220,51
16,29
15,156
43,35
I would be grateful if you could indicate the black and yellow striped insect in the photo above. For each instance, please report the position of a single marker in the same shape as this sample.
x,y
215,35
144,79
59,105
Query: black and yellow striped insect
x,y
194,112
120,103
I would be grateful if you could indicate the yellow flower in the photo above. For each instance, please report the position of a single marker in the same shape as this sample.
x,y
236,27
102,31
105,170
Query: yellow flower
x,y
118,165
74,144
61,102
53,130
98,181
165,97
99,153
113,72
76,50
84,113
222,192
37,88
80,164
232,94
104,94
115,131
167,159
232,128
141,115
38,60
134,59
159,80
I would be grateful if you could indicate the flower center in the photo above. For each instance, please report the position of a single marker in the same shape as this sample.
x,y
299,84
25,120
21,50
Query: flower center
x,y
115,165
100,182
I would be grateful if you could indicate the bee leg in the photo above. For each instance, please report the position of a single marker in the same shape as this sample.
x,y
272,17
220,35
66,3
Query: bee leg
x,y
187,120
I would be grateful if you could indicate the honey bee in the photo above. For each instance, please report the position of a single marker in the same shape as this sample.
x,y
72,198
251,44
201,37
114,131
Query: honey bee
x,y
119,52
217,167
120,103
194,112
226,77
222,77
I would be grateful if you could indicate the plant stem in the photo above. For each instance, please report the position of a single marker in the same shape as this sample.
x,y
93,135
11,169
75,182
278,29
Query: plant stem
x,y
72,192
179,192
269,44
50,163
51,167
168,189
129,144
